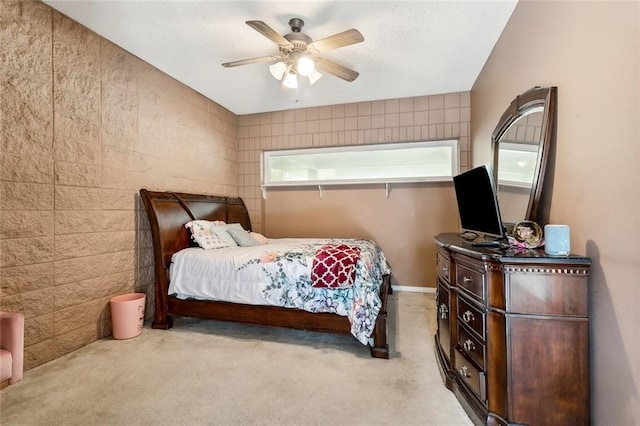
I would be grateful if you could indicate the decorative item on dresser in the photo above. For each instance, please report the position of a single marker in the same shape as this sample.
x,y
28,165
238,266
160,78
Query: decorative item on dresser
x,y
512,338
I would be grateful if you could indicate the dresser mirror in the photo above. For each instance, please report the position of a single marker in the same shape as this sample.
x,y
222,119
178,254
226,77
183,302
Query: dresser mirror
x,y
521,143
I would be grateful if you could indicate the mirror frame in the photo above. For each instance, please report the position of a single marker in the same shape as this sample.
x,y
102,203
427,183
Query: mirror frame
x,y
534,98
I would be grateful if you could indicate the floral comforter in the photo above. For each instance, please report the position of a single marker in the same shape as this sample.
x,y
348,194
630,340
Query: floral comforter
x,y
279,274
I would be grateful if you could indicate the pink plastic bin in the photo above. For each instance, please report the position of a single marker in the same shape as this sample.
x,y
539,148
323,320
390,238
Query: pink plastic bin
x,y
127,315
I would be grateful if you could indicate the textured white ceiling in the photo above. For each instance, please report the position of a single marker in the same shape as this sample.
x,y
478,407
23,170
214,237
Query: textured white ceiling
x,y
411,48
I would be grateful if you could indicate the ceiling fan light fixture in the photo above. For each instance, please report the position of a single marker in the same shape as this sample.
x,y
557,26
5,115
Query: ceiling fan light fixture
x,y
306,66
291,80
314,76
277,70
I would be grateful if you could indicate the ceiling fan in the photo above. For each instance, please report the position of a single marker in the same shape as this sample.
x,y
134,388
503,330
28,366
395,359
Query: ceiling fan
x,y
299,54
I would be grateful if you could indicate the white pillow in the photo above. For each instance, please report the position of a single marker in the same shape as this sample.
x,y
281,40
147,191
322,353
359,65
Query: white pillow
x,y
206,223
221,231
202,234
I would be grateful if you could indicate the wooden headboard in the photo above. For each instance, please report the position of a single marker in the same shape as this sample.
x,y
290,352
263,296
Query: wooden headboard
x,y
169,211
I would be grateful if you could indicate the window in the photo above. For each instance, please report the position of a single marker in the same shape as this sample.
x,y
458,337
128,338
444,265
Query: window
x,y
382,163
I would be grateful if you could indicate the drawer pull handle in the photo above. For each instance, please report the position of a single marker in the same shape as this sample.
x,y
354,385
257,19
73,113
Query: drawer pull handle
x,y
445,269
464,372
467,279
469,346
443,311
467,317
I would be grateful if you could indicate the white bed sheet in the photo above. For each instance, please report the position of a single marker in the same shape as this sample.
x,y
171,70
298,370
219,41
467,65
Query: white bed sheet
x,y
216,274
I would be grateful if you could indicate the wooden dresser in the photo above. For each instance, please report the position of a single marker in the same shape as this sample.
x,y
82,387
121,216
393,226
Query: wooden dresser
x,y
512,340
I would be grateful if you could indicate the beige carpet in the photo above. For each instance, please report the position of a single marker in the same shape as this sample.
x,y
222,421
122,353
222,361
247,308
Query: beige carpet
x,y
214,373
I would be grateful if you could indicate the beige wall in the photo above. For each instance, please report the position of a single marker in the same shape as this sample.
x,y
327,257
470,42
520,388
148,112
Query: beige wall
x,y
83,126
405,223
591,52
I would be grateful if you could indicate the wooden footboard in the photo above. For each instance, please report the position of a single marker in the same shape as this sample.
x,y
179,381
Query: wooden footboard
x,y
273,316
168,212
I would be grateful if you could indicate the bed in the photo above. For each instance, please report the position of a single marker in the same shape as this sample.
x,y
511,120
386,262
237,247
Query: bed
x,y
168,213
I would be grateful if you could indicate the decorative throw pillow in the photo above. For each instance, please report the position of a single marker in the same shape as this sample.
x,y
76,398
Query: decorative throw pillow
x,y
202,234
242,237
259,237
221,231
334,266
209,222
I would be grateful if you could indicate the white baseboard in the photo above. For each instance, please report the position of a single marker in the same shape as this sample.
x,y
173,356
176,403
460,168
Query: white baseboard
x,y
413,289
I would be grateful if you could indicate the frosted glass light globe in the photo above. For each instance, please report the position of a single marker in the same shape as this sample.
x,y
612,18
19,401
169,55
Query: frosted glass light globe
x,y
306,66
290,81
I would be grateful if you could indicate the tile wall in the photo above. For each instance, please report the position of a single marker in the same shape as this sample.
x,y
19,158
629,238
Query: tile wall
x,y
396,120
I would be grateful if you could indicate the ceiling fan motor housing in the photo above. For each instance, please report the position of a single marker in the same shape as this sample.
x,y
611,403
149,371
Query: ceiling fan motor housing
x,y
296,24
297,39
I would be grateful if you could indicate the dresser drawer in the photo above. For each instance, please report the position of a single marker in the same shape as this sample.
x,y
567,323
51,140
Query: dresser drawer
x,y
443,265
471,375
470,345
471,278
543,292
473,317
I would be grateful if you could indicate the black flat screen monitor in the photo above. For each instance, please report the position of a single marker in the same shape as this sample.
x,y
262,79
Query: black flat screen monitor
x,y
478,203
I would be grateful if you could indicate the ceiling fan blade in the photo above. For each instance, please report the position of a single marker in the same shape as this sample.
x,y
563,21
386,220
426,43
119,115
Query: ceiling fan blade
x,y
336,69
252,61
335,41
269,33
